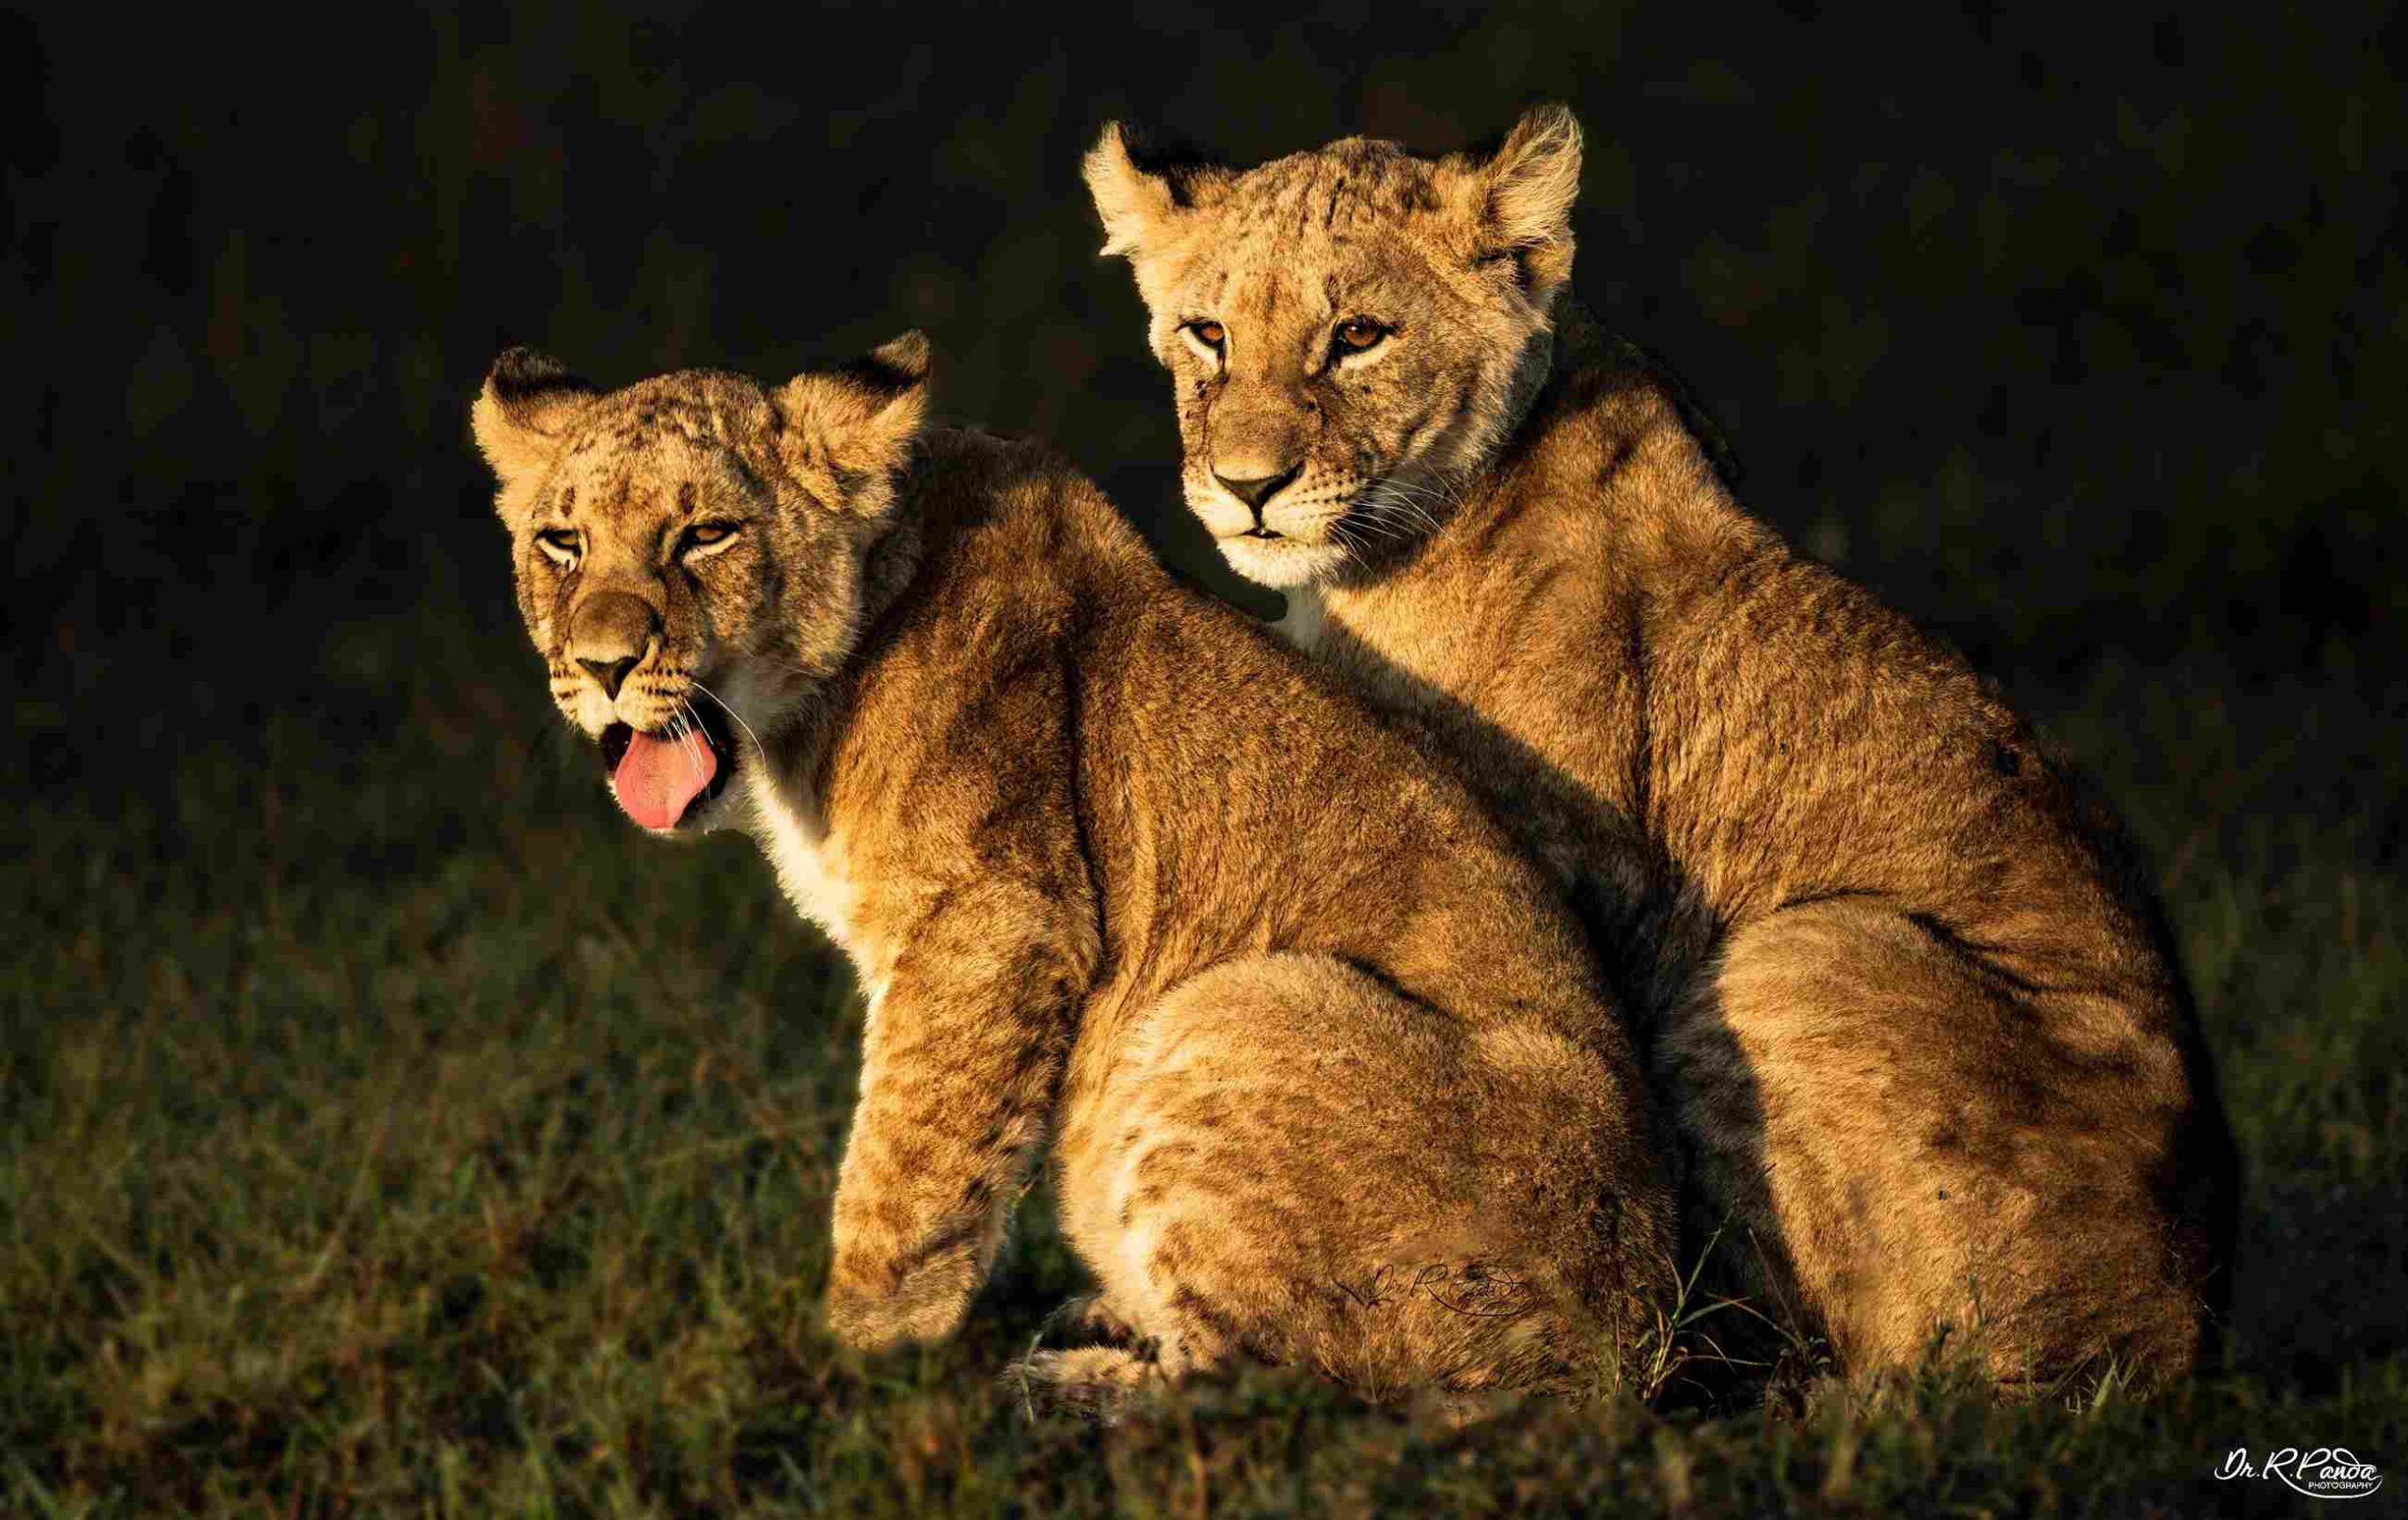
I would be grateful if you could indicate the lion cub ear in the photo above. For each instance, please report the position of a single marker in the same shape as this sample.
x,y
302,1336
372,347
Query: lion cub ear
x,y
528,403
1523,196
856,424
1142,186
1132,201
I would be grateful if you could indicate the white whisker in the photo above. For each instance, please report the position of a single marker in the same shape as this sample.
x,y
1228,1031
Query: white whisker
x,y
1401,506
689,727
757,747
676,732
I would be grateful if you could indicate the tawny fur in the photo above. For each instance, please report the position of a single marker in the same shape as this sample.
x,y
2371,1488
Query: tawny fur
x,y
1326,1068
1910,997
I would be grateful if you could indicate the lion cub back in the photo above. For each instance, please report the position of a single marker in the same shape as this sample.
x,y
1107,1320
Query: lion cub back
x,y
1254,796
1323,965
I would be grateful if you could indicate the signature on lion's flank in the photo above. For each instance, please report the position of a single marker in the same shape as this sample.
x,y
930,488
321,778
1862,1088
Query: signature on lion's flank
x,y
2324,1472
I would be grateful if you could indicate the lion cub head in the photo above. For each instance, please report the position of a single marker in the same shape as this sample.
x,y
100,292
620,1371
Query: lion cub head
x,y
689,551
1351,330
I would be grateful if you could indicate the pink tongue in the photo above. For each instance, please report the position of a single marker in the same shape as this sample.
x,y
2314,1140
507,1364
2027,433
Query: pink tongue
x,y
658,778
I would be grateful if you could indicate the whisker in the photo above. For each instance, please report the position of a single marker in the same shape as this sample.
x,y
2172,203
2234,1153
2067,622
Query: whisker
x,y
689,730
1401,504
676,732
758,748
1415,495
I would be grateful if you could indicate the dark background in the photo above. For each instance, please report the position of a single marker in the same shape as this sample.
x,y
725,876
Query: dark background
x,y
373,1103
2072,335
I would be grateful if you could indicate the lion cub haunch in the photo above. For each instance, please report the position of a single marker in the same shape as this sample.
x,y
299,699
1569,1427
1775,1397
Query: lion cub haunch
x,y
1323,1066
1911,1000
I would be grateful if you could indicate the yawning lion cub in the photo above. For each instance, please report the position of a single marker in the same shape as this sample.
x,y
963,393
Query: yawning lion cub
x,y
1323,1065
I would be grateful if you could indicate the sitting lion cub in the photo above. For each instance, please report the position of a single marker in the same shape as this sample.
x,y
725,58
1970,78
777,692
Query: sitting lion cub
x,y
1915,1006
1323,1066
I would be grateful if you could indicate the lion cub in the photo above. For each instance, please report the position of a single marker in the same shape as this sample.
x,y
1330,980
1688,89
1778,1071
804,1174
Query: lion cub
x,y
1323,1065
1913,1000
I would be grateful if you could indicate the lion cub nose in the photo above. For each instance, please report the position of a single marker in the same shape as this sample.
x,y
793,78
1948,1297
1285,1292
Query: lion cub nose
x,y
610,635
1255,490
612,673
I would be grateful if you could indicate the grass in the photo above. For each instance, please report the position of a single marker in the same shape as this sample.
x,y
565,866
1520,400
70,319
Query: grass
x,y
384,1127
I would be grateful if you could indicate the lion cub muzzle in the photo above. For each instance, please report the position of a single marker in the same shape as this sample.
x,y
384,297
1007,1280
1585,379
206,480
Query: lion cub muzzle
x,y
1259,446
665,755
610,634
1255,490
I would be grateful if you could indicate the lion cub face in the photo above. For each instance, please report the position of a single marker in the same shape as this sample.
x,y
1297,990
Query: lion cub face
x,y
1349,330
689,551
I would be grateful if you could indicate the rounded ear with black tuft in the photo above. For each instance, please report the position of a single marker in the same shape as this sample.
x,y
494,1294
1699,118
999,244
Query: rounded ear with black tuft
x,y
1523,195
528,403
855,424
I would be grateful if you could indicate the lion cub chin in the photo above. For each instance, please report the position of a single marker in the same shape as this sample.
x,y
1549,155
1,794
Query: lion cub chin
x,y
1322,1066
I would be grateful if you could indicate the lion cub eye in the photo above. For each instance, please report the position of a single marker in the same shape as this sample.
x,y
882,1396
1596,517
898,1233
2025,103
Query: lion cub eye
x,y
1357,333
704,536
560,545
1209,333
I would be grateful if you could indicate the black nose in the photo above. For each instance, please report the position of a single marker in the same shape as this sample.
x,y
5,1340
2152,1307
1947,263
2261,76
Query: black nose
x,y
1254,493
612,673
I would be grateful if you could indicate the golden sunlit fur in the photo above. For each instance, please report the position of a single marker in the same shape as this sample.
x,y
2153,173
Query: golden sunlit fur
x,y
1910,997
1323,1066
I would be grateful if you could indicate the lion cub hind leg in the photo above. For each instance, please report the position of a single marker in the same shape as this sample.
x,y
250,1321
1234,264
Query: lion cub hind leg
x,y
1298,1164
1950,1159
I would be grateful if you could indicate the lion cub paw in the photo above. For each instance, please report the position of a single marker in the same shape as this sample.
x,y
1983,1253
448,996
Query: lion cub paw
x,y
1097,1383
926,1303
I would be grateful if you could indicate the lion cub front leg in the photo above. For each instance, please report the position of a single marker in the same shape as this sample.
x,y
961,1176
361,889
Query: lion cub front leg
x,y
959,1066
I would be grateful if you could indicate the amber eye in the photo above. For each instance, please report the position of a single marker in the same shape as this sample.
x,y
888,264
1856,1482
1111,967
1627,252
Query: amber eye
x,y
559,544
1359,333
1211,334
703,535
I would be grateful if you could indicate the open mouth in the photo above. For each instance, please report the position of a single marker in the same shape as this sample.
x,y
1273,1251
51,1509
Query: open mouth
x,y
661,778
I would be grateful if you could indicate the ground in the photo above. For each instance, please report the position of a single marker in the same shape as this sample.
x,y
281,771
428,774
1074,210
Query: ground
x,y
385,1126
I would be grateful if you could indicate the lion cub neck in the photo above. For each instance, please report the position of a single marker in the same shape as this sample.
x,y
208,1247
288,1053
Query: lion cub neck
x,y
791,827
787,816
